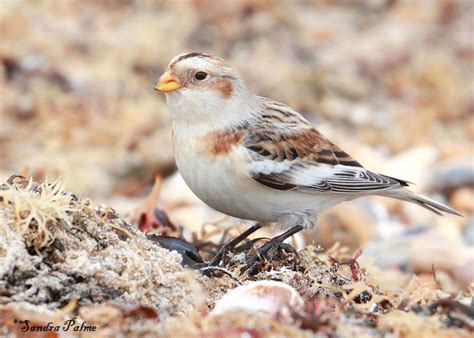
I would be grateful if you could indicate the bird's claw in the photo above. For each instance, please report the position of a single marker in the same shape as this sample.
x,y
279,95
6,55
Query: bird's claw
x,y
221,255
267,252
269,249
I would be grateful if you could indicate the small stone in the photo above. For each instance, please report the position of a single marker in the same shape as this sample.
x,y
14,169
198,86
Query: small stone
x,y
462,199
468,231
452,176
347,224
464,273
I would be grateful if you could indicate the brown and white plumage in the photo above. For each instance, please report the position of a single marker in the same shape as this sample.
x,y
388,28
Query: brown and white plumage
x,y
258,159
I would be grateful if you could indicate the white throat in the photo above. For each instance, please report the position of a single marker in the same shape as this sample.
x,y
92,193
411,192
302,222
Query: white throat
x,y
209,110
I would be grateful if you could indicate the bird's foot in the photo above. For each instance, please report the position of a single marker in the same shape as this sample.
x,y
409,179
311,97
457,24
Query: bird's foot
x,y
269,249
221,255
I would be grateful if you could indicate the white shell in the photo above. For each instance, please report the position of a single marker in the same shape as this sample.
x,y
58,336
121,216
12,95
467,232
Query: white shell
x,y
270,297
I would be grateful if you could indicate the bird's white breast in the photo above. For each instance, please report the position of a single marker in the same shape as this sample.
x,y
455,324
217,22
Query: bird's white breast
x,y
217,179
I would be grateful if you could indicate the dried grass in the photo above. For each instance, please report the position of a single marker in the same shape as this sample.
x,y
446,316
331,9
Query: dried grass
x,y
36,210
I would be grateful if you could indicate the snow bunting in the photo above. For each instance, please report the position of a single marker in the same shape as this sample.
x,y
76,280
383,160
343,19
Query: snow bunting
x,y
257,159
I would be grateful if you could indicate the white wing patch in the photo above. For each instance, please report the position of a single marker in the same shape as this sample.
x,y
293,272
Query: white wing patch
x,y
269,167
322,178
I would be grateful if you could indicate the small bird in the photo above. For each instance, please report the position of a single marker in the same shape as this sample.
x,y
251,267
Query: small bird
x,y
258,159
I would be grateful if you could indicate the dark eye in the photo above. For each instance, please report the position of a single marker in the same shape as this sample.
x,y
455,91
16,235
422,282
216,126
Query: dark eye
x,y
200,75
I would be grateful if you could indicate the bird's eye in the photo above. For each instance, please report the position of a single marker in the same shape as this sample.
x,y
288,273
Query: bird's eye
x,y
200,75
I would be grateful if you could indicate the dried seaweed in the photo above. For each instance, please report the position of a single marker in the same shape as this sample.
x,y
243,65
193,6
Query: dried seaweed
x,y
56,247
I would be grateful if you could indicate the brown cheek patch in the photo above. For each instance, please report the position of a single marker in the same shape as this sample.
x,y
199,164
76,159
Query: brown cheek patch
x,y
225,88
221,142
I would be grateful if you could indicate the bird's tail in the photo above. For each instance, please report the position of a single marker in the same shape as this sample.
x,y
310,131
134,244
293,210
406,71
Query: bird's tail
x,y
425,202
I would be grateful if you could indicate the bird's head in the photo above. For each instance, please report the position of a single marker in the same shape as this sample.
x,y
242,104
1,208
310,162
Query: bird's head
x,y
199,87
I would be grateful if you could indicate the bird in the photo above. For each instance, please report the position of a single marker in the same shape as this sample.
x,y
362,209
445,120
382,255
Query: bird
x,y
257,159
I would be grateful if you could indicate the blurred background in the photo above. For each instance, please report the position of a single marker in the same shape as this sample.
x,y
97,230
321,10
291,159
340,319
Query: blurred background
x,y
390,81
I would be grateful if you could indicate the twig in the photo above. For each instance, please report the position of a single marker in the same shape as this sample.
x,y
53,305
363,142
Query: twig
x,y
228,273
438,284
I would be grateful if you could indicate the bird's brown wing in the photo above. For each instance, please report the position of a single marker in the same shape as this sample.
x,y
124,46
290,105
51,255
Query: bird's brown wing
x,y
287,153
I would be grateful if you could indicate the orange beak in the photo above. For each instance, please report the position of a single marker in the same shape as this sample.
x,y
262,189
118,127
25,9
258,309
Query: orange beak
x,y
167,83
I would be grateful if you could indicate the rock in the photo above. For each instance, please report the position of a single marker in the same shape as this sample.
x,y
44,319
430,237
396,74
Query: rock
x,y
392,249
464,273
451,256
452,175
462,199
468,231
346,223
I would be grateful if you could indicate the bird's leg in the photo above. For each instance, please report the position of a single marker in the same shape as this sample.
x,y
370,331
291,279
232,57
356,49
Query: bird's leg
x,y
288,248
275,242
250,243
232,243
247,245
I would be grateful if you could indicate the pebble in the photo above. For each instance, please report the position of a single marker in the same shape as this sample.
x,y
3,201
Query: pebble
x,y
453,175
462,199
468,231
346,223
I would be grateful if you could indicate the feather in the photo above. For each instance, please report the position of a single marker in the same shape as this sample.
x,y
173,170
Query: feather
x,y
287,153
425,202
